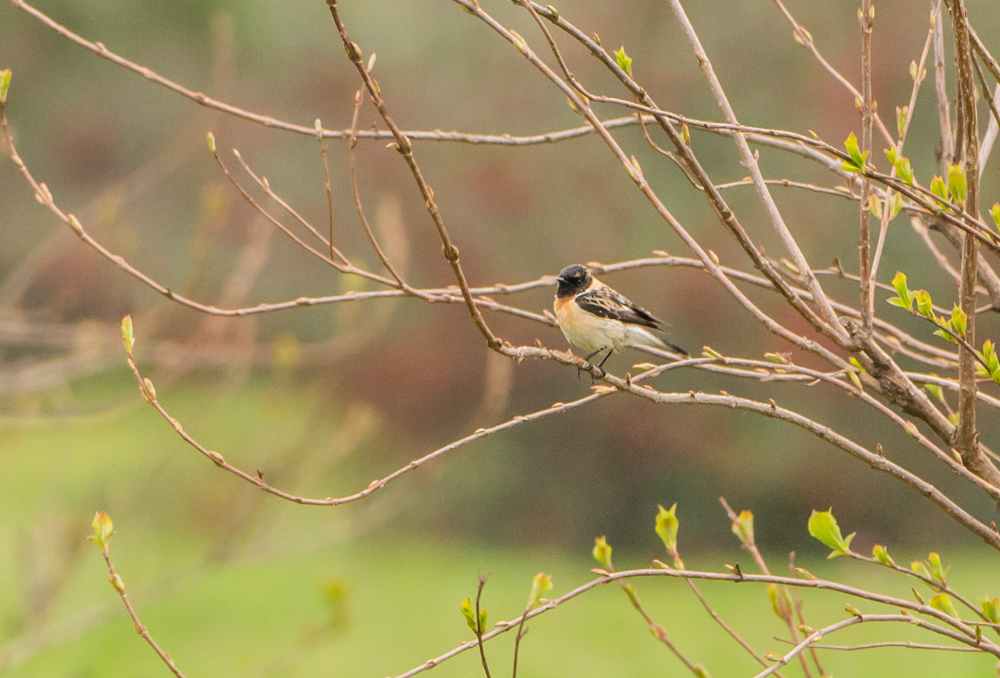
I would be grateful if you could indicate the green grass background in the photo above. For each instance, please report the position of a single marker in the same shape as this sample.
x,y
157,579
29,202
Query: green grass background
x,y
357,590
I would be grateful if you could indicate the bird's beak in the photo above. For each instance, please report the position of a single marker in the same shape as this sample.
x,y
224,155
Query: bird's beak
x,y
561,279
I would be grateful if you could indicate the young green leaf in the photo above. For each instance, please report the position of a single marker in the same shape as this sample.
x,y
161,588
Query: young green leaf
x,y
895,205
936,391
4,84
905,298
995,214
989,356
772,593
939,188
991,609
104,529
904,170
959,320
942,603
857,161
924,304
541,584
957,185
891,155
470,616
823,526
624,61
128,336
602,552
882,555
666,528
945,330
901,113
937,570
743,527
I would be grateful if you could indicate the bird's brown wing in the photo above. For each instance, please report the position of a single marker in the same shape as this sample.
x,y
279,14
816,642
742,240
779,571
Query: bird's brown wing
x,y
607,303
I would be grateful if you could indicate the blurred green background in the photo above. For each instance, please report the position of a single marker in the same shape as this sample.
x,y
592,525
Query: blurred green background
x,y
322,400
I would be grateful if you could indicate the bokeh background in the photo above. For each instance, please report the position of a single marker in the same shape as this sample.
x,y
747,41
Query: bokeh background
x,y
322,400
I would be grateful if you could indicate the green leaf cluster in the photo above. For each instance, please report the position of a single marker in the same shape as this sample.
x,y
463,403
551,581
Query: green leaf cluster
x,y
902,165
477,626
624,60
950,329
992,367
857,158
823,526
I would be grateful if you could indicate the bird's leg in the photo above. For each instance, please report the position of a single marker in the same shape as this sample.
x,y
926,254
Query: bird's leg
x,y
599,366
611,350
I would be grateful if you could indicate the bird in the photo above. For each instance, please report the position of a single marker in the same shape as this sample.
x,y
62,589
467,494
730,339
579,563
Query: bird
x,y
596,318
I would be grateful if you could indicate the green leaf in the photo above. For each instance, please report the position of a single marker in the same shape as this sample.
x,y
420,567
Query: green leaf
x,y
990,357
936,391
857,364
772,593
944,332
666,528
857,161
905,297
901,114
937,570
104,529
470,616
128,336
942,603
882,555
823,526
904,170
874,204
959,320
957,185
991,609
624,61
989,352
995,213
924,304
895,205
939,188
210,140
920,567
4,84
891,155
541,584
743,527
602,552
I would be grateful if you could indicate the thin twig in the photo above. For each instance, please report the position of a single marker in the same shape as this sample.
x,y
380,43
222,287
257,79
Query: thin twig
x,y
867,17
119,586
326,183
405,148
963,633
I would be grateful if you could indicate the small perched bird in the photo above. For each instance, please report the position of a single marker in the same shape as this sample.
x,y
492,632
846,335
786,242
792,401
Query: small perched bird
x,y
594,317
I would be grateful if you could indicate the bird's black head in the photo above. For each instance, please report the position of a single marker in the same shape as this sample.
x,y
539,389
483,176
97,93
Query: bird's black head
x,y
573,280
